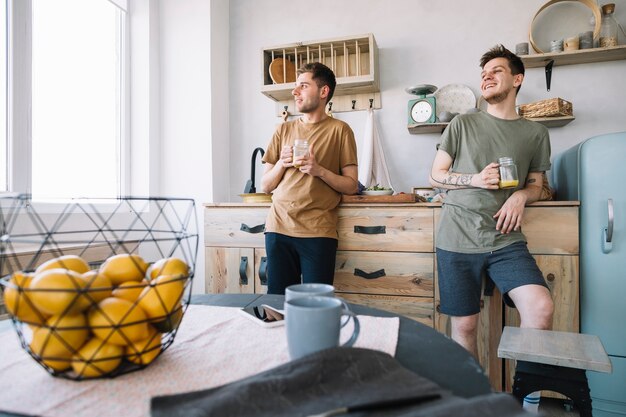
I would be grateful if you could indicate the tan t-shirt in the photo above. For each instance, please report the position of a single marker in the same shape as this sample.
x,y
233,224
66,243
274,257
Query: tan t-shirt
x,y
303,205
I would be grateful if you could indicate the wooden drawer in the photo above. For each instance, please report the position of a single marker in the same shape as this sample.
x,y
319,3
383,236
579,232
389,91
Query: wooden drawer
x,y
551,230
235,227
387,273
416,308
386,229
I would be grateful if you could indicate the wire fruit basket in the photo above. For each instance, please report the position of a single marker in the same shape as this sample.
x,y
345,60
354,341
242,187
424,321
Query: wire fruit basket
x,y
97,288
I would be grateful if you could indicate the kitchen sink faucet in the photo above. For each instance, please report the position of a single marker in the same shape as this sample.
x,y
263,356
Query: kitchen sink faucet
x,y
250,187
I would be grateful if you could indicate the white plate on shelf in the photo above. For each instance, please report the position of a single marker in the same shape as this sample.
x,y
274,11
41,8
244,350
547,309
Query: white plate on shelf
x,y
455,98
378,192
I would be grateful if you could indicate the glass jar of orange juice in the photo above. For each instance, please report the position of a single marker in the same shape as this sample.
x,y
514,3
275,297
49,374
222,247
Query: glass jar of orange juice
x,y
508,173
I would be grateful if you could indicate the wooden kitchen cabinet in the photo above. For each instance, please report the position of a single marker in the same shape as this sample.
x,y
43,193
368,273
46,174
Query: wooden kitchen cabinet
x,y
386,260
385,254
235,259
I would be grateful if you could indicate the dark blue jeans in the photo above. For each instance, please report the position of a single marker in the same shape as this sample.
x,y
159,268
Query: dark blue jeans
x,y
289,258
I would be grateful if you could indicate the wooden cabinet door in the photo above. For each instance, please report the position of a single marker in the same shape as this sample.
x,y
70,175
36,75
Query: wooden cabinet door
x,y
561,275
229,270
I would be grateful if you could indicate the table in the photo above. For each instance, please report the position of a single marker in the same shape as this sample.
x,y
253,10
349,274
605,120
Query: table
x,y
420,348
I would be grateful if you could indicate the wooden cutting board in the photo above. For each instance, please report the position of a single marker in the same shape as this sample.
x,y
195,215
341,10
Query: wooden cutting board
x,y
398,198
282,71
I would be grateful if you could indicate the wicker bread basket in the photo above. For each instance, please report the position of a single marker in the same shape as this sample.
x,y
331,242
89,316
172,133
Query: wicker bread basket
x,y
551,107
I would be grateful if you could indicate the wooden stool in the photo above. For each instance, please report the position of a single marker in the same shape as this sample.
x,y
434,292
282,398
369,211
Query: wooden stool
x,y
554,361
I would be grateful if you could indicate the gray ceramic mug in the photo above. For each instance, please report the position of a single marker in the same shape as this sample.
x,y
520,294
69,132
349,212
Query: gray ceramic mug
x,y
313,324
313,289
309,289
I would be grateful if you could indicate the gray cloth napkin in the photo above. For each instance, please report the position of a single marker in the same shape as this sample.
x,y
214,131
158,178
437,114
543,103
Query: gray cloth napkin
x,y
327,380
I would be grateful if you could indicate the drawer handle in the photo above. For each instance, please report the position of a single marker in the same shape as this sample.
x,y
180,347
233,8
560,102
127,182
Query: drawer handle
x,y
369,275
256,229
243,266
263,270
370,230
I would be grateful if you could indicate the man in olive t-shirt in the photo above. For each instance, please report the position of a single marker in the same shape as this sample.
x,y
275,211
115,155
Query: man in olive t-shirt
x,y
301,227
479,228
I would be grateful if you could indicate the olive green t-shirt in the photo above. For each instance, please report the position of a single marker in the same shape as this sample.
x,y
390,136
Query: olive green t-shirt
x,y
303,205
473,141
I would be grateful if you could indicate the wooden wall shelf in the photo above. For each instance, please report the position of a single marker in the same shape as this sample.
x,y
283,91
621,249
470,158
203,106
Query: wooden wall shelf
x,y
581,56
353,59
416,129
553,121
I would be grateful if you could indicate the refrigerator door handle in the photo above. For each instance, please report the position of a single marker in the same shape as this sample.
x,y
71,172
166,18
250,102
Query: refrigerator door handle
x,y
607,233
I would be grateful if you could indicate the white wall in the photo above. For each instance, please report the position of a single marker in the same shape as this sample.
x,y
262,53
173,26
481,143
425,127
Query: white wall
x,y
420,42
185,107
212,113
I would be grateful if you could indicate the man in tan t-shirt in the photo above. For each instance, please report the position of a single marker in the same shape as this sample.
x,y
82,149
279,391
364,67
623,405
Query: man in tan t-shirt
x,y
301,227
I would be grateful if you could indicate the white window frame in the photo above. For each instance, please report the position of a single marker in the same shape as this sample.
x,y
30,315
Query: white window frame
x,y
19,92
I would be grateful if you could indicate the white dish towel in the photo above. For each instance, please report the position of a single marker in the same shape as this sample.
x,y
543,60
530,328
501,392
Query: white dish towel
x,y
372,165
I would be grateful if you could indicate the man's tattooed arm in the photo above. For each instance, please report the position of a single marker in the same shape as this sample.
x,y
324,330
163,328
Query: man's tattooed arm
x,y
455,180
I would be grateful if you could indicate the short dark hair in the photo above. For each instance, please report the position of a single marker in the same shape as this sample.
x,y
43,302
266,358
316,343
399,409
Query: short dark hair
x,y
322,75
499,51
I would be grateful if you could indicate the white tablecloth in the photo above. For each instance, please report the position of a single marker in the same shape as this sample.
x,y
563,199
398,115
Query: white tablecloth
x,y
214,346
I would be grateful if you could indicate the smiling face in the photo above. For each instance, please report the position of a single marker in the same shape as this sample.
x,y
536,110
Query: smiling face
x,y
308,96
498,83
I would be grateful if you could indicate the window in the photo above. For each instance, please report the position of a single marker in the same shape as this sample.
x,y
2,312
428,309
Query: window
x,y
4,161
77,99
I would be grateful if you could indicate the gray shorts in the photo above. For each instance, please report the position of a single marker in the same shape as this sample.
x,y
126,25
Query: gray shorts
x,y
460,276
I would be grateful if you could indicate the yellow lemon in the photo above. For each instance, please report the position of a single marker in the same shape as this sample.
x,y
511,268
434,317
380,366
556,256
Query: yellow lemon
x,y
129,290
97,358
124,267
119,322
171,322
99,286
18,301
162,296
72,262
169,266
58,291
144,351
61,337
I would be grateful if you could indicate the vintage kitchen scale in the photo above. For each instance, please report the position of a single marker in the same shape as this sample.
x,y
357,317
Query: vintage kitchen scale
x,y
423,109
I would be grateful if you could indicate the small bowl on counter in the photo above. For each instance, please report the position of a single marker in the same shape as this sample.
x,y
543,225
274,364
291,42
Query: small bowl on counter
x,y
377,192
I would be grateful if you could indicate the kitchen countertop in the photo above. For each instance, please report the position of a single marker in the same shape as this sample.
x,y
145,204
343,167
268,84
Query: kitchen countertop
x,y
537,204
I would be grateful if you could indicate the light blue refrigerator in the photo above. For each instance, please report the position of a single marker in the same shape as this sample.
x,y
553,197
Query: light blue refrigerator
x,y
594,172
